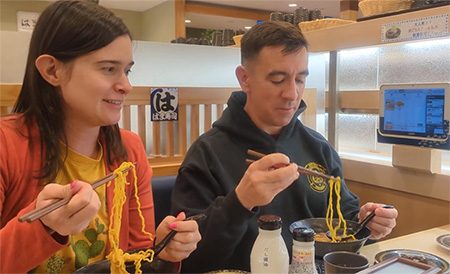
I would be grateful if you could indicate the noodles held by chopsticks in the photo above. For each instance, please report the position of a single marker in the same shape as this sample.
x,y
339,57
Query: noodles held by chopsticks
x,y
117,256
335,186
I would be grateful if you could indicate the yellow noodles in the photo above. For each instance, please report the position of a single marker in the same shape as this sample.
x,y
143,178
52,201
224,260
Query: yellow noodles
x,y
117,256
335,185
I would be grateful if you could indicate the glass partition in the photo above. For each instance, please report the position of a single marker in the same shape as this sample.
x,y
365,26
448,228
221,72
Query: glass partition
x,y
368,68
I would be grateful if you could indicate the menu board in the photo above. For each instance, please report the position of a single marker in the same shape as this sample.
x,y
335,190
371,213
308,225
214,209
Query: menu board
x,y
415,29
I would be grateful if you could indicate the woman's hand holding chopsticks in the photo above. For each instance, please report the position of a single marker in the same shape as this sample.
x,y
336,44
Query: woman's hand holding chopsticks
x,y
264,179
185,240
73,217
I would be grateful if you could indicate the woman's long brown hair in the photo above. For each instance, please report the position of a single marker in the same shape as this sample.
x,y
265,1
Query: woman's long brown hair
x,y
65,30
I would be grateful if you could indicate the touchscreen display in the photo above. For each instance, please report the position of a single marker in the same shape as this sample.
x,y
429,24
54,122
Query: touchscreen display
x,y
414,112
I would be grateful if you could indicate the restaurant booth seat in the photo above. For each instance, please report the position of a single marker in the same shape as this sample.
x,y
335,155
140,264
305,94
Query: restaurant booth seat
x,y
162,191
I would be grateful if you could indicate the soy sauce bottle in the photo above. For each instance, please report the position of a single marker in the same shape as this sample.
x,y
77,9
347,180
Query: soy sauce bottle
x,y
269,253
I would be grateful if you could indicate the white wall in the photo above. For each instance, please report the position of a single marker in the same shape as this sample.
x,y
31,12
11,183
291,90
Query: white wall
x,y
165,64
157,64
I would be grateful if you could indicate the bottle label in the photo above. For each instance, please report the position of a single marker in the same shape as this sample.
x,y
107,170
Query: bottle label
x,y
269,260
303,262
302,257
266,257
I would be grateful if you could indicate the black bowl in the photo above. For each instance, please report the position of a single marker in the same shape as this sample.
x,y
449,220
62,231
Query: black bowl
x,y
319,225
156,266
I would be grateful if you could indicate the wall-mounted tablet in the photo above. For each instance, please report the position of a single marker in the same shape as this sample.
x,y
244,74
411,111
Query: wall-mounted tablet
x,y
415,114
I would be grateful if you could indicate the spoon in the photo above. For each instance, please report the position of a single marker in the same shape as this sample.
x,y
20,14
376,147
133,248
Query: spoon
x,y
160,246
364,222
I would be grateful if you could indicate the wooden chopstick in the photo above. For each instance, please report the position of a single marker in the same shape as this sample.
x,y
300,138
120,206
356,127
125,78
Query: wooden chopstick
x,y
39,213
300,169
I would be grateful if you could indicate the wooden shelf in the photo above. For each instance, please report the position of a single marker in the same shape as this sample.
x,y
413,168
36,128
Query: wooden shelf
x,y
364,33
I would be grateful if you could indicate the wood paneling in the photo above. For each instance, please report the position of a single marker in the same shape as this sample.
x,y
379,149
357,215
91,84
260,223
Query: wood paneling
x,y
201,8
416,212
349,9
164,140
180,25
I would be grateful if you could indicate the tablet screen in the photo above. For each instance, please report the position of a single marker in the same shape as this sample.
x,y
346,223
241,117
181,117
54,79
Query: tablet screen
x,y
414,111
418,112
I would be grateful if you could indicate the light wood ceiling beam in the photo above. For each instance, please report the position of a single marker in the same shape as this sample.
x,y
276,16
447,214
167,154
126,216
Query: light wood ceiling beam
x,y
196,7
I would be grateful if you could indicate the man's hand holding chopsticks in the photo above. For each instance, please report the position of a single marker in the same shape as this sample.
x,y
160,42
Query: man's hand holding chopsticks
x,y
73,217
264,179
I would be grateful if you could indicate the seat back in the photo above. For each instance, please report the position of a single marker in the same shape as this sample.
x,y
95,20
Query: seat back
x,y
162,191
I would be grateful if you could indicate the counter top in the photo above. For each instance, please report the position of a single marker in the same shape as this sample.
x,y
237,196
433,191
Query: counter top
x,y
422,241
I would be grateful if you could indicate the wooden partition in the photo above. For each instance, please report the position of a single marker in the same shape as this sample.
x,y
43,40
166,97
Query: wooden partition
x,y
166,142
416,212
8,96
169,141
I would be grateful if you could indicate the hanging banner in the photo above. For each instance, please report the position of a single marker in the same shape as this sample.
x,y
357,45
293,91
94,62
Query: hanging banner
x,y
164,104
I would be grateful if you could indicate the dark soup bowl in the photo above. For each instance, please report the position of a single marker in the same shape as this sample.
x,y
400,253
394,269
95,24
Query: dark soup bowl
x,y
156,266
319,226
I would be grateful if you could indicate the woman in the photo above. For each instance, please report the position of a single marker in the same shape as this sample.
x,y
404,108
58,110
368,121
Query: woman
x,y
63,133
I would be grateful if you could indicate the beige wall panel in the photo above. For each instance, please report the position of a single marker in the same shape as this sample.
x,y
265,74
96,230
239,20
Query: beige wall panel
x,y
158,23
416,212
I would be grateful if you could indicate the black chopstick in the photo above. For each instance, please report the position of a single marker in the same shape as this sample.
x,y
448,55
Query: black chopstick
x,y
39,213
160,246
300,169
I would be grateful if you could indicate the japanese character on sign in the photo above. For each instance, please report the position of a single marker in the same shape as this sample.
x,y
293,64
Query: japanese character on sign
x,y
26,21
164,104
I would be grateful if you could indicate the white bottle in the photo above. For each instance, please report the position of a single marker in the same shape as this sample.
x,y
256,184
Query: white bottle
x,y
303,255
269,253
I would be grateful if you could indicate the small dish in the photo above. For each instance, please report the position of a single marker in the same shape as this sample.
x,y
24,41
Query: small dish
x,y
415,255
444,241
392,33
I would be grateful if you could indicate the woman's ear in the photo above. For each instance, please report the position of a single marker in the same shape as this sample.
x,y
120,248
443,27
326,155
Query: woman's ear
x,y
50,69
242,76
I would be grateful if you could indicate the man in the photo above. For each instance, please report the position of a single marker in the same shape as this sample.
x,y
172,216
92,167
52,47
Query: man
x,y
216,180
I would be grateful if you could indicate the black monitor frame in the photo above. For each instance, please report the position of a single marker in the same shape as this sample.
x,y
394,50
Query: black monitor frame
x,y
426,106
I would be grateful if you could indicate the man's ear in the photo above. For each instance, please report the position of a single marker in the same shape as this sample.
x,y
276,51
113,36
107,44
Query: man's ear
x,y
242,76
50,69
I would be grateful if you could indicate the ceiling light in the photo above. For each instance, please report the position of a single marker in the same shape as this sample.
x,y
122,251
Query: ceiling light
x,y
292,5
187,21
247,27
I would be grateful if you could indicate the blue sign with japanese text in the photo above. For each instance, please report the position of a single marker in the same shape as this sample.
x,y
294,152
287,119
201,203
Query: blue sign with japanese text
x,y
164,104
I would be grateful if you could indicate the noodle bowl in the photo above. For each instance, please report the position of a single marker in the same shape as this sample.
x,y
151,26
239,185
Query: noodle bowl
x,y
319,225
156,266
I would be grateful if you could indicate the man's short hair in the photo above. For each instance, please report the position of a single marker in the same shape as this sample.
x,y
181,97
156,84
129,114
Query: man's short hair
x,y
271,33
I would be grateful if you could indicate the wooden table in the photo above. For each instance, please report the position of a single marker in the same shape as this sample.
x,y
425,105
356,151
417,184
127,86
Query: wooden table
x,y
422,241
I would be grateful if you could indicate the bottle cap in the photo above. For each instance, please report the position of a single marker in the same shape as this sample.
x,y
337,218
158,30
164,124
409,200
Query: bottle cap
x,y
269,222
303,234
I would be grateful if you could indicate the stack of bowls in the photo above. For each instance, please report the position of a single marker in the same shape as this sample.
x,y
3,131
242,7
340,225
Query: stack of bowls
x,y
301,14
289,17
217,39
276,16
228,37
315,14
